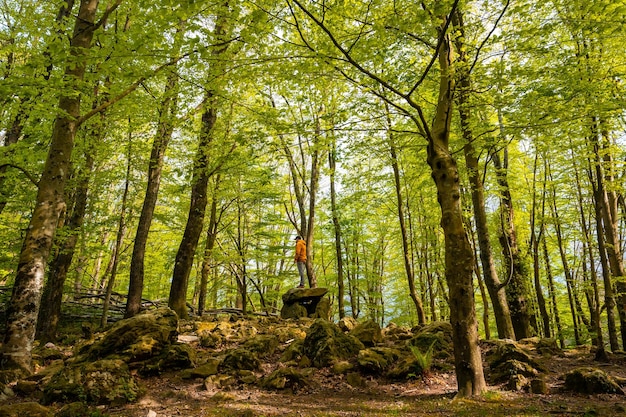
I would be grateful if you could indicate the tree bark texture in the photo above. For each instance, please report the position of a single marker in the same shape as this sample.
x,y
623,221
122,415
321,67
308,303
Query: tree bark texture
x,y
459,256
50,311
50,203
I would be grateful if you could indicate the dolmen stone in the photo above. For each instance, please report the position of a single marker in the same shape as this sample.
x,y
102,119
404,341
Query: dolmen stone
x,y
305,302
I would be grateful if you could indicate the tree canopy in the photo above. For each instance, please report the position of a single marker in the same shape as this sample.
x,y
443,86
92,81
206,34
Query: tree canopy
x,y
441,159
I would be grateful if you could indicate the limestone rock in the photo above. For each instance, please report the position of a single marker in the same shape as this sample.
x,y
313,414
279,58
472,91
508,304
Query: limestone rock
x,y
284,378
405,367
395,333
305,302
346,324
262,345
239,359
101,382
30,409
506,350
539,386
203,371
436,334
371,361
326,344
5,392
368,332
591,381
136,339
504,370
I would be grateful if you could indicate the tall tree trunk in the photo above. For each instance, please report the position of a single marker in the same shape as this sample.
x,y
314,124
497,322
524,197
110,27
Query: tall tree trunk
x,y
566,269
165,128
25,300
207,260
50,311
332,164
200,178
406,250
313,186
481,287
535,239
14,133
595,304
610,222
609,295
459,257
552,291
517,280
119,238
494,286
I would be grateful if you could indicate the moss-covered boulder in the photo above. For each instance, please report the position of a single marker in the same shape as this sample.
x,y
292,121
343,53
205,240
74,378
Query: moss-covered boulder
x,y
368,332
436,336
505,357
293,352
262,345
77,409
539,386
504,370
325,344
210,367
394,333
172,357
101,382
305,302
548,347
29,409
284,378
5,392
588,380
293,311
405,367
372,362
240,359
136,339
346,324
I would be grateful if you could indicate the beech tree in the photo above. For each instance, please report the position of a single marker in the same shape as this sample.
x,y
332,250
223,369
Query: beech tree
x,y
50,203
459,254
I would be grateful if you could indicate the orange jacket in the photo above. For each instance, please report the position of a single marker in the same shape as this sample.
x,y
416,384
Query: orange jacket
x,y
300,250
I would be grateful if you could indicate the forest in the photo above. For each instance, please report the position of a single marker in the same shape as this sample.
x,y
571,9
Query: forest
x,y
456,160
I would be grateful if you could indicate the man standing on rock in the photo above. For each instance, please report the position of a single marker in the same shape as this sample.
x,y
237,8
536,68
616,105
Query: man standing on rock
x,y
300,259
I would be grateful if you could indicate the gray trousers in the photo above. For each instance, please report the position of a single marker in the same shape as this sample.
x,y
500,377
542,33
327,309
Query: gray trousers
x,y
302,271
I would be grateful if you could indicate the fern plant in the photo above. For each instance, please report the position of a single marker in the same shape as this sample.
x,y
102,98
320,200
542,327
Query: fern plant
x,y
424,360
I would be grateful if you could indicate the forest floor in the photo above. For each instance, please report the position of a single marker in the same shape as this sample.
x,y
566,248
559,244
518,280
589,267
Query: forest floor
x,y
169,395
329,395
